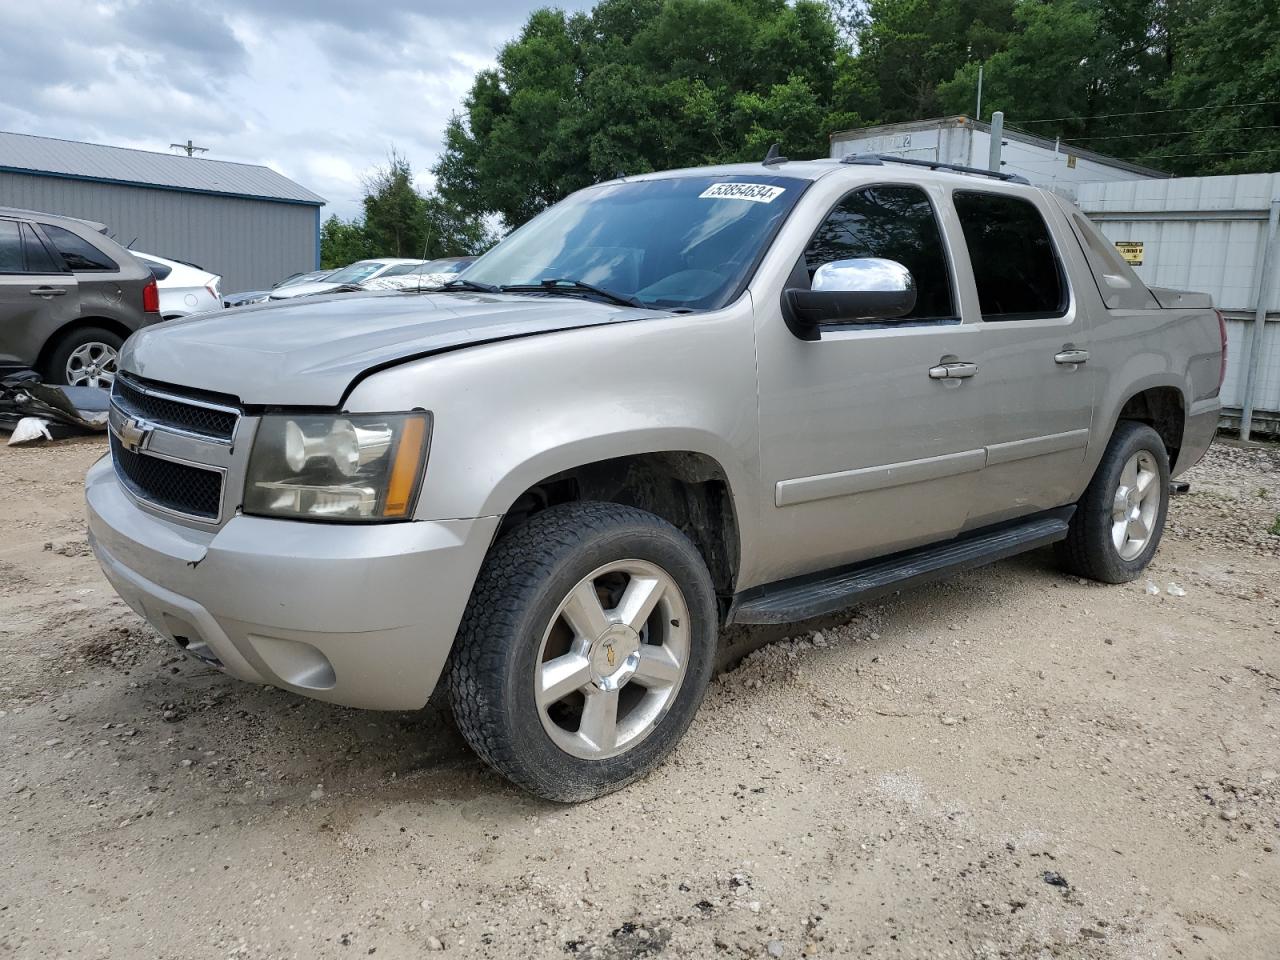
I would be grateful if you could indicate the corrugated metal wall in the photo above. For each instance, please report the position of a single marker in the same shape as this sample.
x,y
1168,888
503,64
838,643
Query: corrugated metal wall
x,y
1205,234
251,243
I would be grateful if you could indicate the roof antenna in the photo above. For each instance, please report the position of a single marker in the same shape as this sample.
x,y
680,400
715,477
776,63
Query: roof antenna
x,y
774,156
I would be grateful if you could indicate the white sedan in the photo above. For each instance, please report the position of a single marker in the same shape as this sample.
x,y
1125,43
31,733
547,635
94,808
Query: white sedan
x,y
351,275
184,288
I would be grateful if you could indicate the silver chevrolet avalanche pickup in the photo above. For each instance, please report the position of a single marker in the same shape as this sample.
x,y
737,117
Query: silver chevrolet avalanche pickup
x,y
669,404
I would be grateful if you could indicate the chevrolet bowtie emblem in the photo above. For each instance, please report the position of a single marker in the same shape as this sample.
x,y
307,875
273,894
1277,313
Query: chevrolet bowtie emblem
x,y
134,434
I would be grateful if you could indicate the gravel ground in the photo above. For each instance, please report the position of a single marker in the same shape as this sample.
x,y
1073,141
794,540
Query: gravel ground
x,y
1012,763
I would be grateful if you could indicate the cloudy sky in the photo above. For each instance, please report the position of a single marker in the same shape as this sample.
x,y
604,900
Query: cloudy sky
x,y
320,90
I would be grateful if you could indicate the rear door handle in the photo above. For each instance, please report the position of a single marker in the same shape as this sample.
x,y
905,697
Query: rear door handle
x,y
953,371
49,292
1071,356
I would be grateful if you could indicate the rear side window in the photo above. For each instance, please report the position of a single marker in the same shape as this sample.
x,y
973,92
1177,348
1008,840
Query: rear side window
x,y
10,248
158,270
39,259
1015,266
896,223
1119,285
80,254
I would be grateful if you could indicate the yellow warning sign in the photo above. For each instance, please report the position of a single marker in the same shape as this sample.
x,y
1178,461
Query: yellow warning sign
x,y
1131,250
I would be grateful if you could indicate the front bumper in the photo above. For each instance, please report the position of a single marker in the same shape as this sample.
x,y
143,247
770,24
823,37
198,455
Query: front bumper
x,y
357,615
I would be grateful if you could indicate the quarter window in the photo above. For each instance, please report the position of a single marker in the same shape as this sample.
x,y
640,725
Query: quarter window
x,y
10,248
1015,266
896,223
39,259
80,254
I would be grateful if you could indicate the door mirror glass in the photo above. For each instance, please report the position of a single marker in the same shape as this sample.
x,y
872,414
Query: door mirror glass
x,y
846,291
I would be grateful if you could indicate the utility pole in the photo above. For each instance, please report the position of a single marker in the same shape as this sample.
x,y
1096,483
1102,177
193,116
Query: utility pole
x,y
189,148
977,111
997,136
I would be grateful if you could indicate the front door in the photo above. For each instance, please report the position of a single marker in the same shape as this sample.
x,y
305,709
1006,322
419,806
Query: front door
x,y
863,451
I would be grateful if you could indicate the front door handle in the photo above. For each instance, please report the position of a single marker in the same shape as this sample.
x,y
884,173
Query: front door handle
x,y
48,291
953,371
1071,356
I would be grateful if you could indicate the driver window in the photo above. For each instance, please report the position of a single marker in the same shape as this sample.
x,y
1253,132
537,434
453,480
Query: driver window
x,y
896,223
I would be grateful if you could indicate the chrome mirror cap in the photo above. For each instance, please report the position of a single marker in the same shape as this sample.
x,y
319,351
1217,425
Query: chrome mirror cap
x,y
864,275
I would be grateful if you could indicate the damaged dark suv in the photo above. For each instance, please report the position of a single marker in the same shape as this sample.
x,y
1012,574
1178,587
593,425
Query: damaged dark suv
x,y
69,298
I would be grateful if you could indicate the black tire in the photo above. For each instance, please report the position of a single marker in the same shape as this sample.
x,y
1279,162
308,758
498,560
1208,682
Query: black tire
x,y
526,576
1089,550
54,369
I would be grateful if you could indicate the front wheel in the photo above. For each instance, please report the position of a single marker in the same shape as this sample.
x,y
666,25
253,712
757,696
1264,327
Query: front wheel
x,y
585,650
1119,520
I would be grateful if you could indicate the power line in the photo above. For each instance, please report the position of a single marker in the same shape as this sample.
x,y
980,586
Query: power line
x,y
1170,133
1218,153
1140,160
1147,113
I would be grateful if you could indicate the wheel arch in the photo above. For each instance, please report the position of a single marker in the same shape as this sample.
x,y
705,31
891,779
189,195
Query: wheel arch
x,y
688,488
79,323
1163,407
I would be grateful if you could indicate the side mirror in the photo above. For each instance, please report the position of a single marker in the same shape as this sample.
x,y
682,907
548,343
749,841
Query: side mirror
x,y
845,291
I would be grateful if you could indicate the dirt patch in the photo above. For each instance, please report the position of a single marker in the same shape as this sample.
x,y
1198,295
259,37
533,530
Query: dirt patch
x,y
1012,763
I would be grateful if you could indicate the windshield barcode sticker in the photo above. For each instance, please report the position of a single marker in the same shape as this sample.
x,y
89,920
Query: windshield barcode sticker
x,y
755,192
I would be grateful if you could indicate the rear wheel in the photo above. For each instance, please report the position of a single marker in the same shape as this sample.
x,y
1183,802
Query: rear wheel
x,y
1118,522
585,650
86,357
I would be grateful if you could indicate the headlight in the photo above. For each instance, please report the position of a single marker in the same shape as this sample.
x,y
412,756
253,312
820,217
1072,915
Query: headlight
x,y
357,468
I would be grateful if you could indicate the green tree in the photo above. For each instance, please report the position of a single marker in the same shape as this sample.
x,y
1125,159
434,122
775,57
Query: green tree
x,y
633,86
342,242
399,221
1224,85
395,219
907,48
1052,66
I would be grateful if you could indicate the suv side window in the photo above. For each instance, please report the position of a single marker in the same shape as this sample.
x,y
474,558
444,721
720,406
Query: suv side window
x,y
38,257
896,223
80,254
1015,266
10,248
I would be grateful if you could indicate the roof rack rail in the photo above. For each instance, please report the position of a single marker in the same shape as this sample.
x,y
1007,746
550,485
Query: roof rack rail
x,y
877,159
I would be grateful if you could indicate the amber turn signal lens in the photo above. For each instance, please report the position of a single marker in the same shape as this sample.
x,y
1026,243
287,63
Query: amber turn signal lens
x,y
410,454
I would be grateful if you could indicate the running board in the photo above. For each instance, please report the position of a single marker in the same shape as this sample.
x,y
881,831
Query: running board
x,y
813,596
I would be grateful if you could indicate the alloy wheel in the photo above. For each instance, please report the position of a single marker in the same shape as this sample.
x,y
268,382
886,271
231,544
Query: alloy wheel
x,y
612,659
92,364
1136,505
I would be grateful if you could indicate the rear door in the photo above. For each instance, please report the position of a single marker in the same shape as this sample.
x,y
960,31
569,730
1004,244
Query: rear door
x,y
1037,383
37,294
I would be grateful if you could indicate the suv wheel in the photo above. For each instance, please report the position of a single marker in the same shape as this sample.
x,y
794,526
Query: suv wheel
x,y
585,650
1119,520
84,358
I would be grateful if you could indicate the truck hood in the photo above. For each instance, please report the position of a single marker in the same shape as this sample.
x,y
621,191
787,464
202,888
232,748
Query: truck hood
x,y
308,352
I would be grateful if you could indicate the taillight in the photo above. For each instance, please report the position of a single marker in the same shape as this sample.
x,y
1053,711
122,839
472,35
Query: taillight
x,y
1222,332
151,297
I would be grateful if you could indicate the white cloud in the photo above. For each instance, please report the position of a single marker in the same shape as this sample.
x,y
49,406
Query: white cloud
x,y
319,90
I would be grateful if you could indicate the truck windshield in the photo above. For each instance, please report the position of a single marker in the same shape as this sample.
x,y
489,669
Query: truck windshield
x,y
683,242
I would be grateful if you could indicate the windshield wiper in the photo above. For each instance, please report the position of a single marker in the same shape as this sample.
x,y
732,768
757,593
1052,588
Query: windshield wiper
x,y
565,285
463,284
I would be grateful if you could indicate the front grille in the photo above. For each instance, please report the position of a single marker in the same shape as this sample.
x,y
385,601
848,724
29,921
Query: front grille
x,y
174,486
191,416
